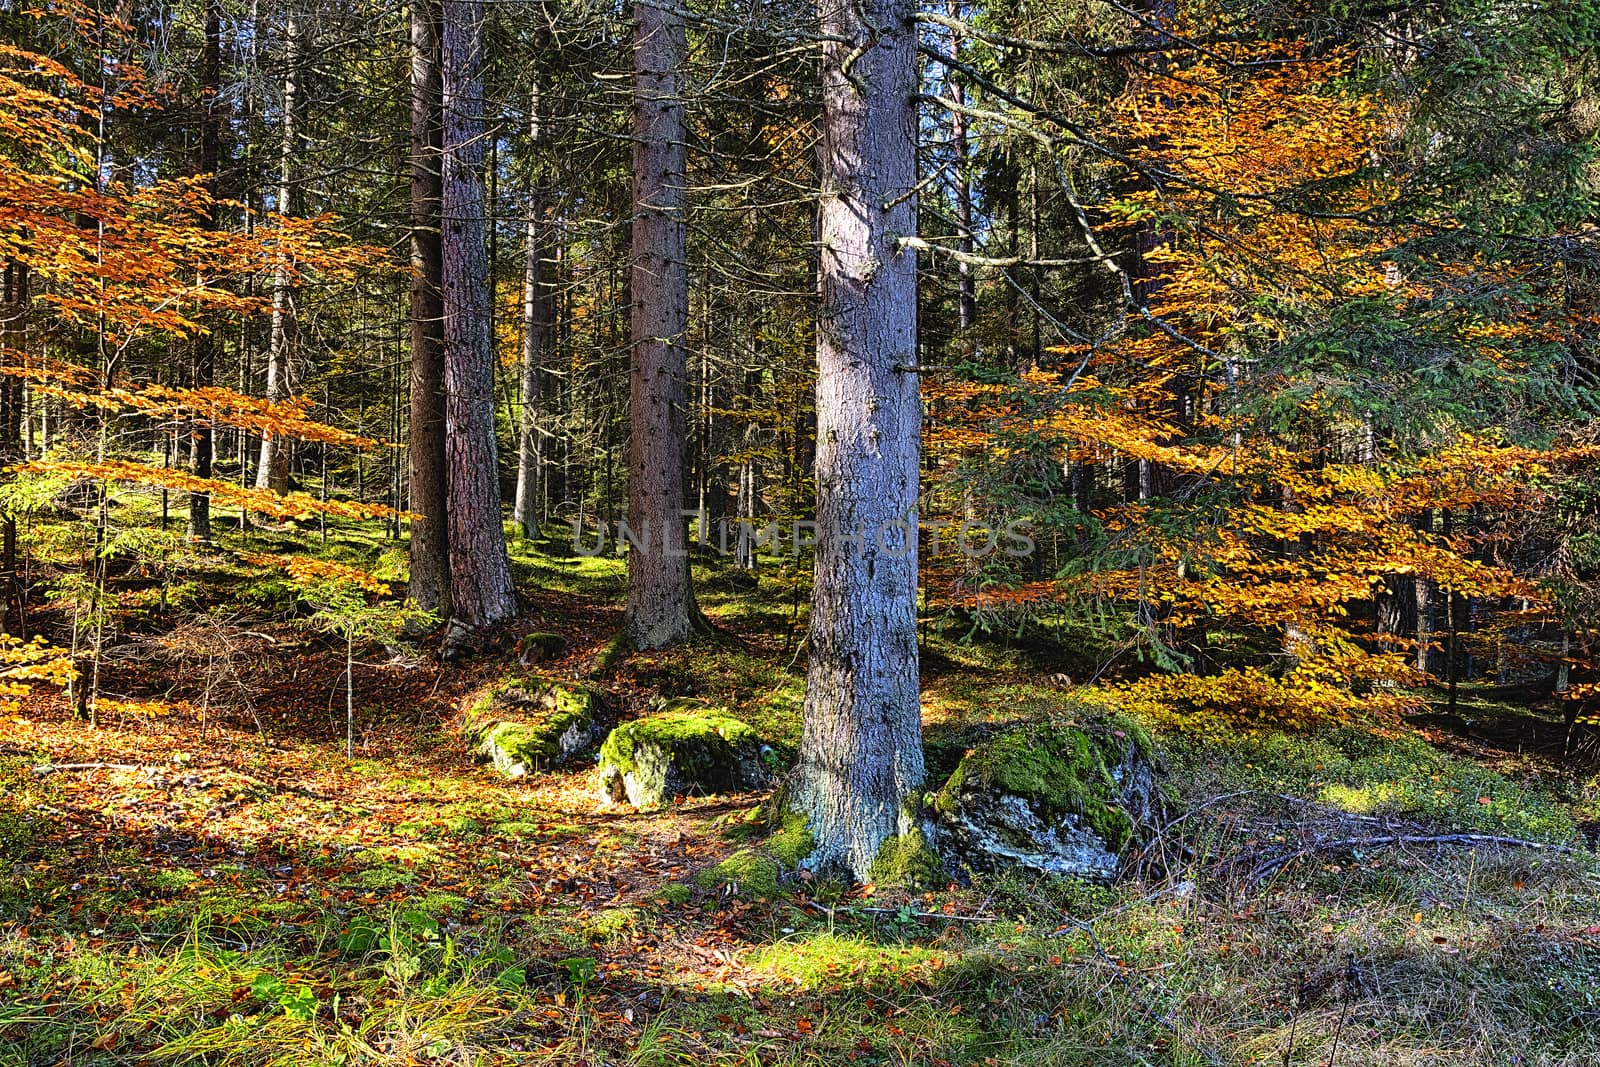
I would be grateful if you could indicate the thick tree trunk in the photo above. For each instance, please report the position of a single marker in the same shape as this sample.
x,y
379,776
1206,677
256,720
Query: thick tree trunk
x,y
661,610
481,592
538,320
430,542
205,345
272,471
861,743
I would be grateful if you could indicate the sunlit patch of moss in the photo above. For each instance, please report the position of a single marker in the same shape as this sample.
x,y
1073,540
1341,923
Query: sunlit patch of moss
x,y
611,922
380,878
748,873
756,872
908,860
673,730
1359,799
825,961
465,827
438,903
228,908
792,841
674,893
370,768
417,854
524,722
174,880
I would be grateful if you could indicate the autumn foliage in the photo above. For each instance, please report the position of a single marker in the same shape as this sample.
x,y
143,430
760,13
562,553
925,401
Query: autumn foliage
x,y
1251,485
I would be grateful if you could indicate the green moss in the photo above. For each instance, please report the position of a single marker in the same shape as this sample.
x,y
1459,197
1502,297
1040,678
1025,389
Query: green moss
x,y
1404,777
611,922
615,651
525,718
540,645
675,893
683,733
750,873
755,870
908,859
171,881
379,878
825,960
792,841
1065,769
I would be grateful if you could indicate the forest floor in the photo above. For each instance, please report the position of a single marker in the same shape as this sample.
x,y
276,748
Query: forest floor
x,y
235,891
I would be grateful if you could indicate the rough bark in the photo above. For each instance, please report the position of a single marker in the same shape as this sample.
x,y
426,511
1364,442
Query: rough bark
x,y
966,288
272,470
661,610
481,592
205,345
538,320
861,744
430,542
13,339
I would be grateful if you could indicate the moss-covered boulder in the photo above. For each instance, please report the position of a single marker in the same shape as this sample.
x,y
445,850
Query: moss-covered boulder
x,y
1054,798
527,724
539,646
688,749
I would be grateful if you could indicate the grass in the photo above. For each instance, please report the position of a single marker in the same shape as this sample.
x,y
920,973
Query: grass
x,y
264,902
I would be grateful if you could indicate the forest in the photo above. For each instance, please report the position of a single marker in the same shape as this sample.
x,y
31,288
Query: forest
x,y
628,533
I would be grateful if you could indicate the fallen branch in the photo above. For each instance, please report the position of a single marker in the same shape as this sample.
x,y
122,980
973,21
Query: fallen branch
x,y
1284,860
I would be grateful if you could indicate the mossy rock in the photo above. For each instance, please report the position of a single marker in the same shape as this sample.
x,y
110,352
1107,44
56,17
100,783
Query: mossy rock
x,y
539,646
526,724
689,749
1062,799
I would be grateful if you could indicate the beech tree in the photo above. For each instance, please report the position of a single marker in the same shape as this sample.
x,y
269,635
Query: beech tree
x,y
481,592
861,742
661,610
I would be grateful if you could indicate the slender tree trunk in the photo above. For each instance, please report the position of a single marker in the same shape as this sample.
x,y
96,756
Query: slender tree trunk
x,y
538,319
861,742
430,541
481,592
205,345
661,610
966,289
13,340
272,470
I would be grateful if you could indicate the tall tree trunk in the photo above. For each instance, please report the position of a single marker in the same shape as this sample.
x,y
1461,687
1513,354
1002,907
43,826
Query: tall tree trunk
x,y
966,289
430,541
481,592
538,319
861,742
205,344
272,471
13,340
661,610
